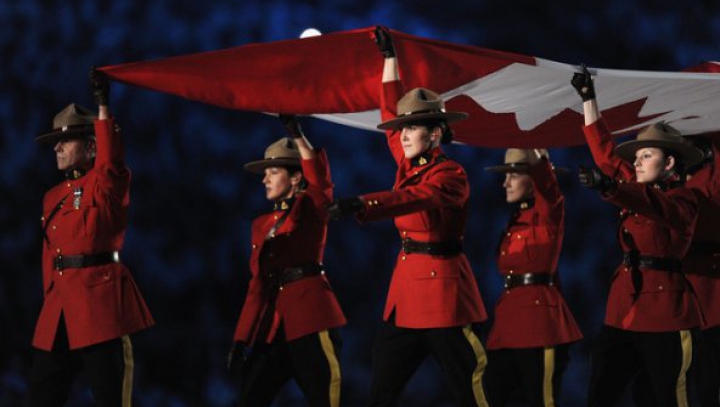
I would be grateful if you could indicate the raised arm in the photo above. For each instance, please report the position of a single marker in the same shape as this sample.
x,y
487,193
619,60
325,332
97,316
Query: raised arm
x,y
113,175
597,134
316,169
706,181
390,91
549,201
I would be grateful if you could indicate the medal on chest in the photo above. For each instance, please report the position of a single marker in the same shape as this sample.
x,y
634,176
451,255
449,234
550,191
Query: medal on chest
x,y
77,197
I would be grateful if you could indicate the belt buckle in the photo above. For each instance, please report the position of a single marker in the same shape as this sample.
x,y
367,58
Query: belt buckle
x,y
58,263
405,248
508,282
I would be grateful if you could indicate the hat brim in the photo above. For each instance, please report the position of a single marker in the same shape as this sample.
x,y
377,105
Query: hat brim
x,y
689,154
520,168
396,123
258,167
71,133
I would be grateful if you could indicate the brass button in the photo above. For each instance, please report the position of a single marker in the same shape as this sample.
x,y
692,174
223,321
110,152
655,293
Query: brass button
x,y
433,273
60,273
510,271
276,217
57,250
402,258
54,227
660,287
537,302
254,246
106,277
519,237
404,232
626,231
42,218
627,269
69,185
281,288
502,253
509,234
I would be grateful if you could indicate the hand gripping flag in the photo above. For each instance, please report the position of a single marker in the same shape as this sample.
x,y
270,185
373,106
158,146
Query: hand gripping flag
x,y
513,100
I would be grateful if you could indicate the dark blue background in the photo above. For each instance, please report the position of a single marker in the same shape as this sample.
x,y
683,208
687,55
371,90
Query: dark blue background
x,y
192,203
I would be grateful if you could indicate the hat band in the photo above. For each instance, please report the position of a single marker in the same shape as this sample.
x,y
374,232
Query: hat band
x,y
422,112
282,158
73,127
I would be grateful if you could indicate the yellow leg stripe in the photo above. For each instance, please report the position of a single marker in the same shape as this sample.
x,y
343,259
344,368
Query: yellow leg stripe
x,y
129,369
335,380
548,399
477,348
681,387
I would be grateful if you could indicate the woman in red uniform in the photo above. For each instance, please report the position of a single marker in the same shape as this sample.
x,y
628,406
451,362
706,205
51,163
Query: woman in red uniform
x,y
290,316
651,307
702,267
528,343
433,298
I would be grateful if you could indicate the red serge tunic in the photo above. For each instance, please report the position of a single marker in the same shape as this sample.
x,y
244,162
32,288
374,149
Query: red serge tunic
x,y
702,263
99,303
534,315
429,204
656,223
303,306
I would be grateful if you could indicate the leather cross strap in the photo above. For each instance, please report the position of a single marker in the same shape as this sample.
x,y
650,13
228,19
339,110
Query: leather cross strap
x,y
52,214
271,233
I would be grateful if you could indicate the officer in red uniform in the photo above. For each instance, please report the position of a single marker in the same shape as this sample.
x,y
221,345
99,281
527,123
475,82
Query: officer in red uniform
x,y
91,303
533,327
651,307
290,316
433,298
701,265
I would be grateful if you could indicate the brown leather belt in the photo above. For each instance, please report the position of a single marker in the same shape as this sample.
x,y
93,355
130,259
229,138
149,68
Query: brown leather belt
x,y
633,259
521,280
85,260
444,248
289,274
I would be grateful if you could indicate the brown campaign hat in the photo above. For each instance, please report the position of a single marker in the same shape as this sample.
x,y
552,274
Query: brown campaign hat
x,y
519,159
420,104
74,121
283,152
660,135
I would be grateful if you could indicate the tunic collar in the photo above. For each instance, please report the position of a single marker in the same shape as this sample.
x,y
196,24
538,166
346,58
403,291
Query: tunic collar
x,y
74,174
284,204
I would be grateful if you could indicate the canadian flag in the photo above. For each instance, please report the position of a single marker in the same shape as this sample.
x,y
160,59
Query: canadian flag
x,y
513,100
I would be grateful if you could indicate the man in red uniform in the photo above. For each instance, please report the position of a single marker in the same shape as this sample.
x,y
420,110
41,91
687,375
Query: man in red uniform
x,y
291,315
651,307
529,340
91,303
433,299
